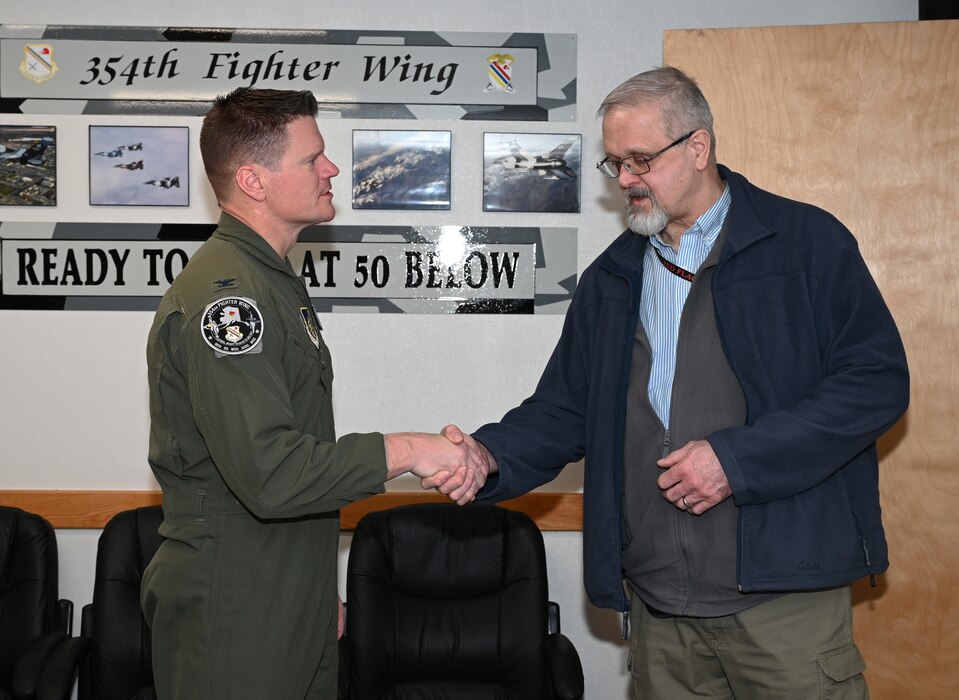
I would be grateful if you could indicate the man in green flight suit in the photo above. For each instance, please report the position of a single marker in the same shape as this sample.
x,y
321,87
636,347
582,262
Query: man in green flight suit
x,y
241,597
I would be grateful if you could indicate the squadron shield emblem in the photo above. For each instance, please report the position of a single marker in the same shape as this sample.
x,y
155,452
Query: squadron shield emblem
x,y
499,68
38,64
232,326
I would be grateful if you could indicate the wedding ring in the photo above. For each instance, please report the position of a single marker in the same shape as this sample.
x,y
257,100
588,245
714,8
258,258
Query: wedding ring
x,y
683,499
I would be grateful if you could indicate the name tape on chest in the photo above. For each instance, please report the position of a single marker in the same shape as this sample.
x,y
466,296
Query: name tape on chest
x,y
232,325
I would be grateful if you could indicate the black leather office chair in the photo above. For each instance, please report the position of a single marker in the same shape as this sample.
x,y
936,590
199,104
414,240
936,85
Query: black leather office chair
x,y
113,652
451,602
32,620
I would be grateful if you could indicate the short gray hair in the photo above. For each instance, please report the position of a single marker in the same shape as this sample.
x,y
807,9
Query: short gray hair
x,y
683,107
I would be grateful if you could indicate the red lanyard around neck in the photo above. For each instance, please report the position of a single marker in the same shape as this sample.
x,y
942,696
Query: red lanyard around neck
x,y
675,269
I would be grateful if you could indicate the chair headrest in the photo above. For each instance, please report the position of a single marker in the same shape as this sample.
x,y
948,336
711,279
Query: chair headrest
x,y
438,548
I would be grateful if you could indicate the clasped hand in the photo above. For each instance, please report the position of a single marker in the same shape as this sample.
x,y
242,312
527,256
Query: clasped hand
x,y
452,462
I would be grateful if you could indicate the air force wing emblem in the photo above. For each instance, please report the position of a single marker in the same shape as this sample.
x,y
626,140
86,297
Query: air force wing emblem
x,y
38,64
232,326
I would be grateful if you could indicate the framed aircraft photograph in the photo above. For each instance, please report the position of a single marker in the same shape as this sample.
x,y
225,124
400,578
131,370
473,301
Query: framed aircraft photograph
x,y
28,166
531,172
140,166
401,169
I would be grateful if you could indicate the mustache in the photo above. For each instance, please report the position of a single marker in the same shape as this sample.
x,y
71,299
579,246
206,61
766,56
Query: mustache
x,y
638,191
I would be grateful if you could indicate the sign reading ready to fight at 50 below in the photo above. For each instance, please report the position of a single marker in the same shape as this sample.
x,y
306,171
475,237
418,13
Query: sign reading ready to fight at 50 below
x,y
341,270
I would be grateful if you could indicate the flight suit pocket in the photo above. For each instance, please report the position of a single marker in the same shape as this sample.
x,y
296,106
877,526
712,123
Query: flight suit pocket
x,y
840,673
310,365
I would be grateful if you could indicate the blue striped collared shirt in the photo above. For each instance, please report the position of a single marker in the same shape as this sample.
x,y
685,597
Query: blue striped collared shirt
x,y
664,294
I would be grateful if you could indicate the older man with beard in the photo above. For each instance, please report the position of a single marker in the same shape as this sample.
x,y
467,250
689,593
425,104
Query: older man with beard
x,y
726,373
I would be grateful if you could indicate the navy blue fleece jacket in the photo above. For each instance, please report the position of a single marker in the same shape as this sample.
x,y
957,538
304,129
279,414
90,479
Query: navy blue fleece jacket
x,y
821,365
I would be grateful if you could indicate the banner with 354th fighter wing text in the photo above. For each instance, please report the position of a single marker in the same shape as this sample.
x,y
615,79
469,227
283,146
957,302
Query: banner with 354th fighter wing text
x,y
385,74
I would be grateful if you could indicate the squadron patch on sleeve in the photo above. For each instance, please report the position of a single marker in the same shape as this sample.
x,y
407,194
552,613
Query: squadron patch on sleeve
x,y
232,325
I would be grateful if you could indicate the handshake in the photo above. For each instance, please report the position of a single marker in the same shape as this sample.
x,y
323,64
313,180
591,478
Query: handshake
x,y
452,462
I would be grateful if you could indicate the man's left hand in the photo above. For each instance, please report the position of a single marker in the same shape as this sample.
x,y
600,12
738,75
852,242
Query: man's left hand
x,y
694,479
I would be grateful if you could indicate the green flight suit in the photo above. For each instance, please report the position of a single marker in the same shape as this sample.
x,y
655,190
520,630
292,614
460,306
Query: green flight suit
x,y
241,596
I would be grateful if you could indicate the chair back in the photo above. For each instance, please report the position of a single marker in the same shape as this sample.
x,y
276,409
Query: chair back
x,y
28,585
120,664
446,601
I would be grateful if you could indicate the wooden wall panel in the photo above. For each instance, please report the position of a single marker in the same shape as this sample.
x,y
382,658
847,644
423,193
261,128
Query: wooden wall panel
x,y
863,120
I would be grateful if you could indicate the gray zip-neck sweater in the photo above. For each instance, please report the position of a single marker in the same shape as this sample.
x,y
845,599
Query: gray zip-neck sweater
x,y
676,562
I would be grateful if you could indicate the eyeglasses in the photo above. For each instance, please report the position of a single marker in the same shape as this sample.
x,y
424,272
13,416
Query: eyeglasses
x,y
610,166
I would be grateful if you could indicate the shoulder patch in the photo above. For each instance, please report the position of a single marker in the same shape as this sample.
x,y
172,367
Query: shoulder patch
x,y
232,325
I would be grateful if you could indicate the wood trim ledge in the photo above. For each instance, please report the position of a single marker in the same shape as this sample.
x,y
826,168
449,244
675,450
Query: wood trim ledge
x,y
92,509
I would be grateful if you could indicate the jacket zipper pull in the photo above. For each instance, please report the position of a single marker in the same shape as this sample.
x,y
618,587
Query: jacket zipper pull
x,y
865,550
626,622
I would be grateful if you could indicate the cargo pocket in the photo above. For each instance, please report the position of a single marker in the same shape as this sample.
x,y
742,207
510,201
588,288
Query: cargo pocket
x,y
840,673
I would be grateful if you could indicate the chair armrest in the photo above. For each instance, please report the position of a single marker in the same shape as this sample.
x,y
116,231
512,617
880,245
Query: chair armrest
x,y
552,618
565,669
26,672
65,616
60,670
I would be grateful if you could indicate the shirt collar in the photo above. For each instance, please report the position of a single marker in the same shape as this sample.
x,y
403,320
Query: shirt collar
x,y
232,228
704,232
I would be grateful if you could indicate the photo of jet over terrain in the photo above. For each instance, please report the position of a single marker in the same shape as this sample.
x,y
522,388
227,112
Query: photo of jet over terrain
x,y
401,169
28,166
531,172
139,165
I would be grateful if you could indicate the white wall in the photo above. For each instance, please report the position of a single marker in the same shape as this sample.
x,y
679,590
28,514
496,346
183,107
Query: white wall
x,y
73,395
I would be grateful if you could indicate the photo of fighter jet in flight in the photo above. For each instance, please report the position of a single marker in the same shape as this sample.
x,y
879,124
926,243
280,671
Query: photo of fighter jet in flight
x,y
118,151
166,183
531,172
551,166
136,165
32,154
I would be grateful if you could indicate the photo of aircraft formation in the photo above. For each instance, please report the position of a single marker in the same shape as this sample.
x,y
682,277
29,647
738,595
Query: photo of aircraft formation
x,y
28,166
531,172
152,160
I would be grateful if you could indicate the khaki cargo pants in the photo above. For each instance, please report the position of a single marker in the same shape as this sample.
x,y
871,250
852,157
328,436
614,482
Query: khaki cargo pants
x,y
797,647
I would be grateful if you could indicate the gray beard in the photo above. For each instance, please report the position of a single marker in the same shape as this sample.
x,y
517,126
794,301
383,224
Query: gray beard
x,y
649,223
